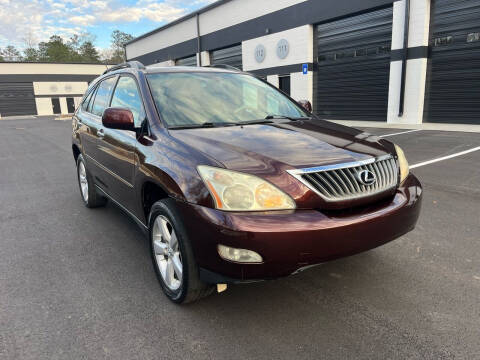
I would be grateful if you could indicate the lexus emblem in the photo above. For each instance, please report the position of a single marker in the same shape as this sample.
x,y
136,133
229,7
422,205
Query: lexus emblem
x,y
366,177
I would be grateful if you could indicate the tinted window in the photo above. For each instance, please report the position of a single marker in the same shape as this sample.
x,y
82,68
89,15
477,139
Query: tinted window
x,y
126,96
195,98
103,96
87,100
90,103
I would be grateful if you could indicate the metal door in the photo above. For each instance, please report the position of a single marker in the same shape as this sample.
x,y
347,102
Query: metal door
x,y
17,99
453,80
353,74
228,56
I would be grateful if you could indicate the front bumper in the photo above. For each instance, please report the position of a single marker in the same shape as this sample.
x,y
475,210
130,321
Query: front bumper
x,y
291,240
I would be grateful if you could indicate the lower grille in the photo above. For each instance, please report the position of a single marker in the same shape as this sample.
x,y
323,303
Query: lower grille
x,y
348,181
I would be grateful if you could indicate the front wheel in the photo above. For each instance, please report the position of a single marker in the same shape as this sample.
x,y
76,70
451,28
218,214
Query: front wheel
x,y
172,255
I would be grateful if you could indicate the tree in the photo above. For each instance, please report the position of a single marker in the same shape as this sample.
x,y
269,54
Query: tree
x,y
88,53
10,53
118,41
1,57
31,55
55,50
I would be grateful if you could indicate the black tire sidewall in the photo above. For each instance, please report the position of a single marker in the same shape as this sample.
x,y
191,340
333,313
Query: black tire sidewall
x,y
95,200
81,160
167,209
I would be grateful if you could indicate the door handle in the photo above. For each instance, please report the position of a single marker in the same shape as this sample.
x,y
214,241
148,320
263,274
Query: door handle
x,y
100,133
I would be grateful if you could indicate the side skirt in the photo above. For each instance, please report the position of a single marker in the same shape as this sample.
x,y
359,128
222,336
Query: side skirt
x,y
142,226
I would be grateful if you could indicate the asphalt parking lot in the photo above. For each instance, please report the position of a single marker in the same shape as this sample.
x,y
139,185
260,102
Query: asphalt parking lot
x,y
78,283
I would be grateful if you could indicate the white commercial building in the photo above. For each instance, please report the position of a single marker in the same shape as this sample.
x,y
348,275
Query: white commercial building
x,y
44,88
404,61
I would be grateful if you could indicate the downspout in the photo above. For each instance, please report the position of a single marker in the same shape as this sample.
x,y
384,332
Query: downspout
x,y
199,44
401,109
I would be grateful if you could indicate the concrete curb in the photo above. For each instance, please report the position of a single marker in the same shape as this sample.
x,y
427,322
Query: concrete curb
x,y
20,117
426,126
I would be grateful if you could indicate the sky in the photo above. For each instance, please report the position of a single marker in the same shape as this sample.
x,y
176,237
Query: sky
x,y
37,20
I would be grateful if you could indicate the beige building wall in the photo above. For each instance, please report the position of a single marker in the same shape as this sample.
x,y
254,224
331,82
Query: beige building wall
x,y
60,88
49,69
301,49
44,91
416,69
44,106
301,86
230,13
63,105
57,90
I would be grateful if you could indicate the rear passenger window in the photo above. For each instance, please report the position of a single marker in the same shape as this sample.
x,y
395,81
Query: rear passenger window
x,y
103,96
90,103
87,100
126,96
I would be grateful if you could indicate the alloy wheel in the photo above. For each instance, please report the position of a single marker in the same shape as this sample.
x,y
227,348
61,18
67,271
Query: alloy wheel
x,y
167,253
82,177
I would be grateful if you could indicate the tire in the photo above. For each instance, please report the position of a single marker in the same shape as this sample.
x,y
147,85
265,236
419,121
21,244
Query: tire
x,y
91,198
165,226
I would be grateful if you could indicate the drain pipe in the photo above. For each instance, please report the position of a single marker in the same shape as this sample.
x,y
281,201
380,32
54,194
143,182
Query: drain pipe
x,y
199,44
401,109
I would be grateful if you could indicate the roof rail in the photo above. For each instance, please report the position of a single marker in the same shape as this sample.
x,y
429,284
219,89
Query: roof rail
x,y
130,64
224,66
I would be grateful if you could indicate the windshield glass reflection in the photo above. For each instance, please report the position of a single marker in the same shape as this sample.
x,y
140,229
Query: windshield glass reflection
x,y
191,98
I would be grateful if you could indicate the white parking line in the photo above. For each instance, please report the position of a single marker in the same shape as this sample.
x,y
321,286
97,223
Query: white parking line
x,y
400,133
445,158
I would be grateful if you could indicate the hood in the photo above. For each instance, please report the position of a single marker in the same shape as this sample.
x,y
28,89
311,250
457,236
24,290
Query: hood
x,y
284,145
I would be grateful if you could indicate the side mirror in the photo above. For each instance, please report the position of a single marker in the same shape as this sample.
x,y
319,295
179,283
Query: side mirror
x,y
307,105
118,118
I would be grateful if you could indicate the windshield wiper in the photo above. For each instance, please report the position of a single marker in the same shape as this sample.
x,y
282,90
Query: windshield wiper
x,y
270,117
199,126
255,122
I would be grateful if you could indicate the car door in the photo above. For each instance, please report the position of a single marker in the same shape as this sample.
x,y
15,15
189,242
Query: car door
x,y
95,129
116,148
88,125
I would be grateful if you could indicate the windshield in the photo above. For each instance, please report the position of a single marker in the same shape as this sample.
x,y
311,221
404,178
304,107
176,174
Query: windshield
x,y
190,99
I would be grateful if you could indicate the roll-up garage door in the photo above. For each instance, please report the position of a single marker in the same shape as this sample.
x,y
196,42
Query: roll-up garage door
x,y
453,81
229,56
353,73
17,99
188,61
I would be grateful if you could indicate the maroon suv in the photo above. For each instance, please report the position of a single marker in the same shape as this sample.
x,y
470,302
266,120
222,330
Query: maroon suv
x,y
231,179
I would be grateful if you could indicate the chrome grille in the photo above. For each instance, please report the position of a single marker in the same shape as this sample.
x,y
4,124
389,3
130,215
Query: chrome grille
x,y
340,182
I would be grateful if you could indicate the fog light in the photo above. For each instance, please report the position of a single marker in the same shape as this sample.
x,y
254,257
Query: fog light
x,y
239,255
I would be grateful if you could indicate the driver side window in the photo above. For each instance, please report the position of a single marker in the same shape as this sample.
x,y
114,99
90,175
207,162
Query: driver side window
x,y
127,96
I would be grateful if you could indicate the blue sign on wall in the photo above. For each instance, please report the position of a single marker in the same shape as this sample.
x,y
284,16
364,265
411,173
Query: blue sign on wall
x,y
305,69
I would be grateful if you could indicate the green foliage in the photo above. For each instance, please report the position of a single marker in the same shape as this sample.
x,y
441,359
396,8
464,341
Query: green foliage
x,y
88,53
30,55
78,49
118,41
10,53
55,50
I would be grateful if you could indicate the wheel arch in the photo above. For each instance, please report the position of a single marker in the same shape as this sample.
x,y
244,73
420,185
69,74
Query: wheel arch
x,y
151,193
76,151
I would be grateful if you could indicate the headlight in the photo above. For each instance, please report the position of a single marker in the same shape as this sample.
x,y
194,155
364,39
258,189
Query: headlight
x,y
403,163
234,191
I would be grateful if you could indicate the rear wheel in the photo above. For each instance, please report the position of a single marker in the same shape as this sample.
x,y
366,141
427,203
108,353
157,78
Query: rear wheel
x,y
172,255
89,194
